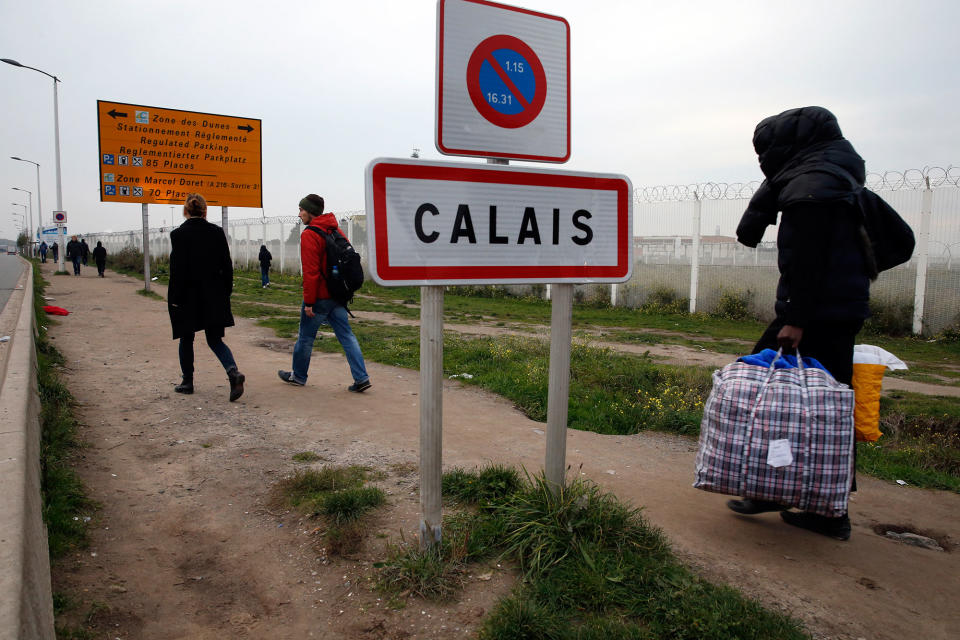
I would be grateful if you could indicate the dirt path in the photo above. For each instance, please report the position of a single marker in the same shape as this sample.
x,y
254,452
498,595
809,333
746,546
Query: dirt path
x,y
188,546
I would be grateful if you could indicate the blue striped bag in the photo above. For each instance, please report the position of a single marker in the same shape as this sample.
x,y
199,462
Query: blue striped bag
x,y
784,435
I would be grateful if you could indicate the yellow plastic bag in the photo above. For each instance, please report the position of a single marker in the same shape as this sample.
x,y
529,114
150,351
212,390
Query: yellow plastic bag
x,y
869,365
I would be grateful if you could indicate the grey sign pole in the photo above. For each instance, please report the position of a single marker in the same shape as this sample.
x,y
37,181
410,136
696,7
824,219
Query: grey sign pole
x,y
431,413
146,247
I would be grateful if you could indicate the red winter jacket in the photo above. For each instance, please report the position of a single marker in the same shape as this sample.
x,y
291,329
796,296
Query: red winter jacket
x,y
313,258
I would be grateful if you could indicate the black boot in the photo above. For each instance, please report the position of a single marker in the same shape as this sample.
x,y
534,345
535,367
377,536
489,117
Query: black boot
x,y
236,383
185,387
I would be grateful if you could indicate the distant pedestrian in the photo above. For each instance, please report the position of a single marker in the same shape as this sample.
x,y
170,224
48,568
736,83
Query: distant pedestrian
x,y
85,248
317,306
75,254
265,259
43,252
100,257
55,249
198,298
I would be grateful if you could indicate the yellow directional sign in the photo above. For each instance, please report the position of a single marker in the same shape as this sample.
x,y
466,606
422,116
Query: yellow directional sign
x,y
158,156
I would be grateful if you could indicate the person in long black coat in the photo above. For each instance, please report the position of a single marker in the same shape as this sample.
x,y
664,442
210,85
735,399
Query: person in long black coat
x,y
198,298
100,257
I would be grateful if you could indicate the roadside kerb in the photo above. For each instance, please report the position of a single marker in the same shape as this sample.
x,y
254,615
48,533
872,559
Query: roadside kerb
x,y
26,604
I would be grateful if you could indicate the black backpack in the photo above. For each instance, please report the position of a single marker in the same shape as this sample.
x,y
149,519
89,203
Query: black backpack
x,y
891,238
344,273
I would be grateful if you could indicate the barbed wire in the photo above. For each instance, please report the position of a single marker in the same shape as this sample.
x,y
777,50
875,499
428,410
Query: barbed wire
x,y
232,223
885,181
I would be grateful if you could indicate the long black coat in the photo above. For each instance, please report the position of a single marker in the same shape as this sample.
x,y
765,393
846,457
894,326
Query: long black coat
x,y
201,279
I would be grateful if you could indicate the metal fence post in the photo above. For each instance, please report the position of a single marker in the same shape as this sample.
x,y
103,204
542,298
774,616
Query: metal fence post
x,y
283,243
695,257
923,250
246,253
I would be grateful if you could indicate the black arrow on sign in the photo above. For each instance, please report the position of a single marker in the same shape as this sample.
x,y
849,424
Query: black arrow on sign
x,y
113,113
246,128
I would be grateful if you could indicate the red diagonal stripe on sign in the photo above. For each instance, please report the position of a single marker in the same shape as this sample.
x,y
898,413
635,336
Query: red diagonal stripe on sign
x,y
507,81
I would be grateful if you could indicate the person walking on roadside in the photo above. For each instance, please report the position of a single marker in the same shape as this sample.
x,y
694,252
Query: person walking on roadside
x,y
85,248
265,259
55,249
43,252
812,175
100,257
75,254
198,298
318,307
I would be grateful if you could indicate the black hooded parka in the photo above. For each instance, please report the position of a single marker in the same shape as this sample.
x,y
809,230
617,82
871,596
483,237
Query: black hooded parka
x,y
812,175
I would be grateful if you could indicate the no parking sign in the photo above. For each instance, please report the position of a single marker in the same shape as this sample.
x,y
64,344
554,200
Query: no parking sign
x,y
503,82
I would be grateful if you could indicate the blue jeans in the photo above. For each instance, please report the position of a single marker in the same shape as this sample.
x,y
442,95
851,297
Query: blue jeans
x,y
216,344
76,265
264,276
334,314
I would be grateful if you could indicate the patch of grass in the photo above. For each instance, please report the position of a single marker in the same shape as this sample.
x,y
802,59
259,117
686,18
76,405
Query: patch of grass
x,y
153,295
491,484
427,573
305,456
347,505
339,496
66,506
921,442
593,568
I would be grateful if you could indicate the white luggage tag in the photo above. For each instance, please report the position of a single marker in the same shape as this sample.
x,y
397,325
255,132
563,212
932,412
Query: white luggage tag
x,y
779,454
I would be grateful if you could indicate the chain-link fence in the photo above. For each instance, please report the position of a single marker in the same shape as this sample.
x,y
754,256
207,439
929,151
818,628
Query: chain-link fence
x,y
685,241
685,246
281,236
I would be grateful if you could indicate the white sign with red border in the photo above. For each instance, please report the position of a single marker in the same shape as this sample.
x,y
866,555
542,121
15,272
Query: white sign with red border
x,y
503,82
436,223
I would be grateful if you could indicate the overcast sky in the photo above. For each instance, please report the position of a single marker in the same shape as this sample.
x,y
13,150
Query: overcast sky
x,y
666,93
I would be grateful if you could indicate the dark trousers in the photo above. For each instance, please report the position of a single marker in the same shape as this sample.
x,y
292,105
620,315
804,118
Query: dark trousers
x,y
831,344
76,265
264,276
100,267
216,344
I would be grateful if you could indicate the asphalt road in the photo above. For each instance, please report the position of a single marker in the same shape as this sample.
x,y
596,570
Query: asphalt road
x,y
10,269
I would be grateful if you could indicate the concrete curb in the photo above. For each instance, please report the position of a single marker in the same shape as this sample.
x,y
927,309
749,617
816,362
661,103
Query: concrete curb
x,y
26,603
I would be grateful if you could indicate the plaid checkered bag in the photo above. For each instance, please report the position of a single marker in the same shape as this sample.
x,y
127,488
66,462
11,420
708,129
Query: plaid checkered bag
x,y
753,410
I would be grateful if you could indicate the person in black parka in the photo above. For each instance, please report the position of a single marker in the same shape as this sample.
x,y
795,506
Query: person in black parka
x,y
100,257
812,175
265,257
198,298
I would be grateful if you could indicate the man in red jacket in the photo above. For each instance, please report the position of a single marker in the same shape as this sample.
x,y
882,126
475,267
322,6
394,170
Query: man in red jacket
x,y
318,307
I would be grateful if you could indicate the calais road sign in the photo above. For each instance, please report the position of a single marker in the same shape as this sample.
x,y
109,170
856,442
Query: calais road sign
x,y
155,155
433,223
503,82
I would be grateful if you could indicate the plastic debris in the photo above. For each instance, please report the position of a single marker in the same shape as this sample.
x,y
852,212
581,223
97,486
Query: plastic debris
x,y
465,376
5,339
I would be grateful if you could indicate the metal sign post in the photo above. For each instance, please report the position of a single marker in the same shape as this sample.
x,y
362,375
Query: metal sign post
x,y
146,247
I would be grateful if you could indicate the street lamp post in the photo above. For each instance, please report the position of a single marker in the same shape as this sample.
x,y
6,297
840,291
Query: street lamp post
x,y
39,199
56,138
22,221
30,200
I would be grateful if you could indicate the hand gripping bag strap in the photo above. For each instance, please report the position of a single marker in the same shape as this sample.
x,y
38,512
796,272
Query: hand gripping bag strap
x,y
748,435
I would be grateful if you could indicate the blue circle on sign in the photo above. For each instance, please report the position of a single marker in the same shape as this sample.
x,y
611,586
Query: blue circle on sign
x,y
497,93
